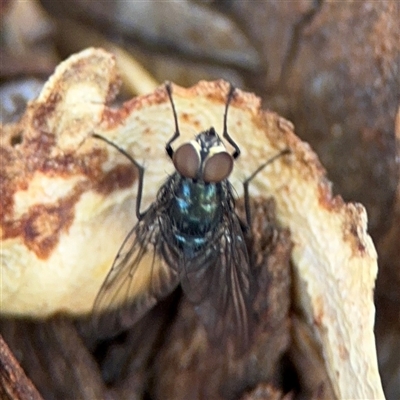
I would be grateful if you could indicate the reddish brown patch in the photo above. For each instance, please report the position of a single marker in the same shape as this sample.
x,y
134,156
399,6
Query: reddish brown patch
x,y
40,228
352,222
43,227
35,155
216,97
197,125
111,118
216,91
325,198
357,241
37,146
43,112
9,181
351,235
185,117
120,177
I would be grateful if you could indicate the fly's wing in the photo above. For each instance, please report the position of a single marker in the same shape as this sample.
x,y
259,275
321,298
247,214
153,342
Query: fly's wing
x,y
218,283
138,279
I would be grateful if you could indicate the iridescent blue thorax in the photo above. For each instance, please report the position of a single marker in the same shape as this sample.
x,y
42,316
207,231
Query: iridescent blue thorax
x,y
196,209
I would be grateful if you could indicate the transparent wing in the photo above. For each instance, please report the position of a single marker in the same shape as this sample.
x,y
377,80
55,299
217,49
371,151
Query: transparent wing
x,y
218,283
138,279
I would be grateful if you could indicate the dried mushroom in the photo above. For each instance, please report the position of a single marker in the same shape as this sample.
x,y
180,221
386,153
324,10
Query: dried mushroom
x,y
68,201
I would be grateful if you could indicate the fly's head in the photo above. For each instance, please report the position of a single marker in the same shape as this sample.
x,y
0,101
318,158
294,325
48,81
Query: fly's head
x,y
205,158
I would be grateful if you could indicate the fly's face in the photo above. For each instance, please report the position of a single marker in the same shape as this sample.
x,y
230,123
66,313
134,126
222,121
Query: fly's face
x,y
204,159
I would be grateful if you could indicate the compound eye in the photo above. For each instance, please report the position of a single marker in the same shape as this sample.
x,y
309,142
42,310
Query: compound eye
x,y
187,160
218,167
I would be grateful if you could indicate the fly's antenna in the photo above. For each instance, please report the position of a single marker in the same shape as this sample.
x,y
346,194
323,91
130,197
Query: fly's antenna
x,y
225,135
168,148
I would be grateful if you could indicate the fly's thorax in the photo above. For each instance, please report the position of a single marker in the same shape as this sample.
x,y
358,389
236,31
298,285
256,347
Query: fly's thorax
x,y
196,207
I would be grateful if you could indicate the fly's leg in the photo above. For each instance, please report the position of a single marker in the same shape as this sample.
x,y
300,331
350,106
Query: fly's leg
x,y
140,168
176,134
246,183
225,135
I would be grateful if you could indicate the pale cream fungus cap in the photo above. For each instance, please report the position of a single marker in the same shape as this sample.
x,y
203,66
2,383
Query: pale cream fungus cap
x,y
68,201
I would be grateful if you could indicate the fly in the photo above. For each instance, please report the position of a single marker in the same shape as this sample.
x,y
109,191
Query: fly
x,y
190,235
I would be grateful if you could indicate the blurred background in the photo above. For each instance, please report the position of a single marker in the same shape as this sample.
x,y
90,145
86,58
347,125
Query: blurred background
x,y
332,68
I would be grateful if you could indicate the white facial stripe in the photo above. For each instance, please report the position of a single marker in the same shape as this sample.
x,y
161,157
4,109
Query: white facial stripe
x,y
215,150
